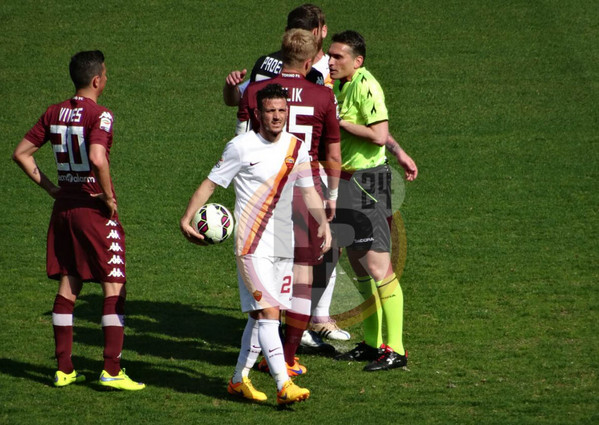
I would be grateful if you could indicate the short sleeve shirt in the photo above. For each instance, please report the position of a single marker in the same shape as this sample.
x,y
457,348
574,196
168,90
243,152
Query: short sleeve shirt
x,y
263,174
361,101
72,127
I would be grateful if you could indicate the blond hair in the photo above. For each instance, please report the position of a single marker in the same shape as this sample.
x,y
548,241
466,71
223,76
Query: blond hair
x,y
298,45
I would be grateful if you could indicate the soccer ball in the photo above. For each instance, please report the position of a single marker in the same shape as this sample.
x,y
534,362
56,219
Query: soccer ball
x,y
214,222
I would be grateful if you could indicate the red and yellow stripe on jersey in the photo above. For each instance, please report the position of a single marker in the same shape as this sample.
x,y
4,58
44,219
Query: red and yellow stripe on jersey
x,y
265,211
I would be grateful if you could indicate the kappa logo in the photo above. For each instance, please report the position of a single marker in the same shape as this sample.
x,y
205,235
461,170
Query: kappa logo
x,y
116,273
111,223
116,259
115,247
113,235
257,295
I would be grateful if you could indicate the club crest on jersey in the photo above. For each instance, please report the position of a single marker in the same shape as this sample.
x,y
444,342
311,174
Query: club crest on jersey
x,y
290,161
257,295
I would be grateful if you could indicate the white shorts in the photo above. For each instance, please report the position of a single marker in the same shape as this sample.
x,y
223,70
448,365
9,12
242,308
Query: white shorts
x,y
264,282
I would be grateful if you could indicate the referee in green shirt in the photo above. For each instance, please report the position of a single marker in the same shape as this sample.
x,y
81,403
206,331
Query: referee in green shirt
x,y
365,200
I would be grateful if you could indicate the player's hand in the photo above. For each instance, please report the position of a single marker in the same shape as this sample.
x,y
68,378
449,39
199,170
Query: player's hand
x,y
190,234
324,231
110,203
330,208
235,77
409,166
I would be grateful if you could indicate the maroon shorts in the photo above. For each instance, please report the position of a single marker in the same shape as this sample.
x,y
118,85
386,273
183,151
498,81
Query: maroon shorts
x,y
83,242
305,231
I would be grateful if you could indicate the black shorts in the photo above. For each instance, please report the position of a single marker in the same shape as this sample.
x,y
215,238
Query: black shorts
x,y
363,206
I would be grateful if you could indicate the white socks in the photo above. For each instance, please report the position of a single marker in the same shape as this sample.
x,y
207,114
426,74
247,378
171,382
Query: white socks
x,y
272,348
250,349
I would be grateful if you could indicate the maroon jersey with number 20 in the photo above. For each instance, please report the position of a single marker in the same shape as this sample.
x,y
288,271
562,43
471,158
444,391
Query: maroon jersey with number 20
x,y
82,240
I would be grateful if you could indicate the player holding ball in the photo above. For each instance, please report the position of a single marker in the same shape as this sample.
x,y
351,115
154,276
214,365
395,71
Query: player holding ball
x,y
264,167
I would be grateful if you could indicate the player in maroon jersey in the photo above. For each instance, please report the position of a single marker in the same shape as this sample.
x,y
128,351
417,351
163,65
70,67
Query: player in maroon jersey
x,y
312,118
86,242
308,17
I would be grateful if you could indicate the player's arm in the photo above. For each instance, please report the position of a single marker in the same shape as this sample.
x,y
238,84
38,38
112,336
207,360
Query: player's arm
x,y
231,92
376,133
23,156
406,162
199,198
101,168
244,122
333,158
314,203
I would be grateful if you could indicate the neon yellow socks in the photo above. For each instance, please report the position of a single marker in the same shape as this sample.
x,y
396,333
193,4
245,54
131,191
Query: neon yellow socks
x,y
372,315
391,297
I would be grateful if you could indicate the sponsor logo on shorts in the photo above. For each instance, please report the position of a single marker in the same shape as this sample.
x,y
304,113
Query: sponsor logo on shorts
x,y
113,235
111,223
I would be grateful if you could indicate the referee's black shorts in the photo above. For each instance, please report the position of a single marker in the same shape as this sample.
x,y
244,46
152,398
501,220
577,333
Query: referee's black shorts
x,y
363,206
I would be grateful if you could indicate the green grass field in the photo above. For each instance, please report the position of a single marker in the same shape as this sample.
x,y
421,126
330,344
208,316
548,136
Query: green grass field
x,y
497,103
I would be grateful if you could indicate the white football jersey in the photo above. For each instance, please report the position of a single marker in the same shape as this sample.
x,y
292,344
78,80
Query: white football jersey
x,y
322,66
263,175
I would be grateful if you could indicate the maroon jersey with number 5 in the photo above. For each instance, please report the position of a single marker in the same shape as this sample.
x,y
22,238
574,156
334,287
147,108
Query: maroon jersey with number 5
x,y
312,118
71,127
312,110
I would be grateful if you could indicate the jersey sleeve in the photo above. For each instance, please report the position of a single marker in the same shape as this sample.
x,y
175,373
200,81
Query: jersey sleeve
x,y
331,132
39,133
243,86
243,114
100,131
303,168
372,105
227,166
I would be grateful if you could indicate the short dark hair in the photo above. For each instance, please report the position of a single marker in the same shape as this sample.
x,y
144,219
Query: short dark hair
x,y
354,40
317,11
271,91
304,17
85,66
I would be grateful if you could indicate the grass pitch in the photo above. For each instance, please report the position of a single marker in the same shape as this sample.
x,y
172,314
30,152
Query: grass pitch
x,y
496,101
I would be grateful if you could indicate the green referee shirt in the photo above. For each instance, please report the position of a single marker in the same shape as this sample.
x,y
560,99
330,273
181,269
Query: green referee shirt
x,y
361,101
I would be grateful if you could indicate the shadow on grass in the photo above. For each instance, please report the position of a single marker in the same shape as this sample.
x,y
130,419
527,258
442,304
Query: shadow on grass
x,y
165,329
32,372
172,331
177,378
